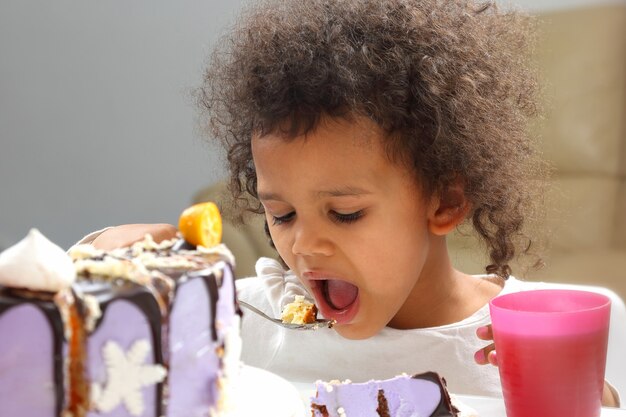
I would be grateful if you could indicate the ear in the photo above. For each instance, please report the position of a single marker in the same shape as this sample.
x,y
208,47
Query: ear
x,y
448,209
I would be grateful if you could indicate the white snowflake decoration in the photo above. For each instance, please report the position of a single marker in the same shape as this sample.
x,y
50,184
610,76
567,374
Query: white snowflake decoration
x,y
127,374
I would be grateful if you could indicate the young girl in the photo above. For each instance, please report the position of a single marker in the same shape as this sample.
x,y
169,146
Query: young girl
x,y
365,131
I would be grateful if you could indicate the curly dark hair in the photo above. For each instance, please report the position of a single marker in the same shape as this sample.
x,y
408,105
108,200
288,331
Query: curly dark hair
x,y
450,81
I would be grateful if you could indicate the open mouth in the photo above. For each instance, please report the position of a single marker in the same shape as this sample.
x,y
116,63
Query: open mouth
x,y
336,299
339,294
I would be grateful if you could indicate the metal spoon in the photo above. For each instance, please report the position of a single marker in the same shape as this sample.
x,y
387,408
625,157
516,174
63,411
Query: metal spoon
x,y
306,326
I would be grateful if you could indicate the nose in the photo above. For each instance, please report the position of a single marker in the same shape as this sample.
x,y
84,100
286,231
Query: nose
x,y
311,239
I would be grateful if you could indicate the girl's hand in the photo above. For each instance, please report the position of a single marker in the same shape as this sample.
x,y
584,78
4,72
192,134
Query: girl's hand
x,y
488,353
126,235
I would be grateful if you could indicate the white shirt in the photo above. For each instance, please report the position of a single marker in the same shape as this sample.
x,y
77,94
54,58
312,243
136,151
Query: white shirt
x,y
306,356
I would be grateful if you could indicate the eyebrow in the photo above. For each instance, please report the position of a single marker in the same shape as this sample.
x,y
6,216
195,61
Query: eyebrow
x,y
269,196
343,192
347,191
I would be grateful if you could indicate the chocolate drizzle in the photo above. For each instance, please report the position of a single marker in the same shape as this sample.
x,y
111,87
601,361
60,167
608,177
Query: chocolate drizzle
x,y
145,299
383,407
445,407
213,290
141,296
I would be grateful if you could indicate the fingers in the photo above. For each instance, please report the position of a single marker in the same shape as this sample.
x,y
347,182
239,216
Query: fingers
x,y
488,353
126,235
610,398
161,232
485,332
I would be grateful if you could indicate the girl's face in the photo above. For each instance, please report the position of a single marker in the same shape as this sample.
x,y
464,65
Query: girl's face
x,y
351,224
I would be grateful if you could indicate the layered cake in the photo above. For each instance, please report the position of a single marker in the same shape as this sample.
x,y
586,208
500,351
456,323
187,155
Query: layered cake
x,y
151,330
421,395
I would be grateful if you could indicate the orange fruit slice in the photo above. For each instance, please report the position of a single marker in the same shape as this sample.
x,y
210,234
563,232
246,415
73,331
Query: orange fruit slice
x,y
201,224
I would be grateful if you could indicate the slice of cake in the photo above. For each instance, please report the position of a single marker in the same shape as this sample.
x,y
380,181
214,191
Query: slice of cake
x,y
300,311
422,395
151,330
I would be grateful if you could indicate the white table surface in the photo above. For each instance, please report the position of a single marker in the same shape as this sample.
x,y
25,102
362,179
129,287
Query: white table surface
x,y
484,406
494,407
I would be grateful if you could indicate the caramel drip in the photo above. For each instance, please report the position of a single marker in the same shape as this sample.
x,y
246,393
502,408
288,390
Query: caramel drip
x,y
320,409
75,335
79,389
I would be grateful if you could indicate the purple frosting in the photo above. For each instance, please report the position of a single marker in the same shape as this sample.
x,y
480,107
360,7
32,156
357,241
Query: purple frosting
x,y
27,386
225,302
193,361
405,396
123,323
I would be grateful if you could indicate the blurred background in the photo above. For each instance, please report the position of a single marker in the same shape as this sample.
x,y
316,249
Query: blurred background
x,y
97,122
98,127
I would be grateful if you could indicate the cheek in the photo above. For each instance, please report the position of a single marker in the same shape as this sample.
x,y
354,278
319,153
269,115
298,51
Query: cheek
x,y
390,273
282,239
394,262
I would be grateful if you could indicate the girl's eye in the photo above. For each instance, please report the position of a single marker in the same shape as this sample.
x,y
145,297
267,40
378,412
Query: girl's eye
x,y
347,218
276,220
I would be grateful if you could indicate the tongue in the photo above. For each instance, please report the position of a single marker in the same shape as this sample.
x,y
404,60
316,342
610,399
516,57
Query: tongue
x,y
340,293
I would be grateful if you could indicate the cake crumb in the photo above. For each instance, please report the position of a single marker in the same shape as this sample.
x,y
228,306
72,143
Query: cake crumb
x,y
300,311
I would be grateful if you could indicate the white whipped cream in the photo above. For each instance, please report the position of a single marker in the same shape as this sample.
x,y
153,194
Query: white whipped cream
x,y
84,251
37,264
219,249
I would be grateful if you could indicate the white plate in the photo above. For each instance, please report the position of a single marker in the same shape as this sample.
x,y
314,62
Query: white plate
x,y
264,394
494,407
306,390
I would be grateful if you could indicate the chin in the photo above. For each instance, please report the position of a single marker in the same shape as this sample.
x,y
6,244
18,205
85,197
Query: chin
x,y
355,332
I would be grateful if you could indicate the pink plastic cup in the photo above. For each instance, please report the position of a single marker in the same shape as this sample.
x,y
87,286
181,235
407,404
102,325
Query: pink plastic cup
x,y
551,347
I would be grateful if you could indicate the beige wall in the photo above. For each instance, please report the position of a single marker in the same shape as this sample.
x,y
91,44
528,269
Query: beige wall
x,y
582,57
